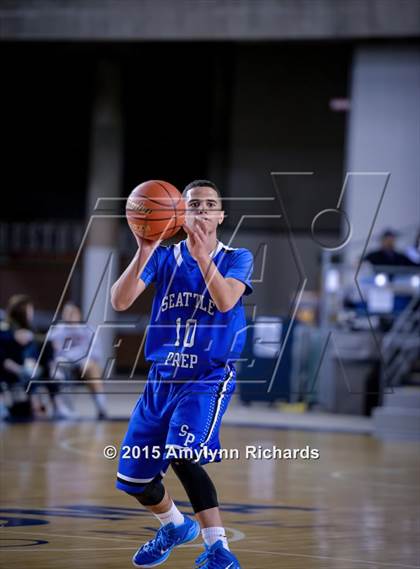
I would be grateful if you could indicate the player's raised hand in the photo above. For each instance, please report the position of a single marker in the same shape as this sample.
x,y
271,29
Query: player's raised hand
x,y
198,239
145,244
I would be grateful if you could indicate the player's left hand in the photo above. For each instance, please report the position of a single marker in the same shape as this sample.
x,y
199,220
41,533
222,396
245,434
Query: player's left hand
x,y
198,239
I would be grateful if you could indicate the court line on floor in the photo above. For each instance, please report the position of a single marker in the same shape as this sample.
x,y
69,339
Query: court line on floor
x,y
237,535
288,554
258,552
66,444
46,534
69,549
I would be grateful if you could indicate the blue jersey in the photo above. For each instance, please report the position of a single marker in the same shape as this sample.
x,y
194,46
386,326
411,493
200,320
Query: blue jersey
x,y
187,334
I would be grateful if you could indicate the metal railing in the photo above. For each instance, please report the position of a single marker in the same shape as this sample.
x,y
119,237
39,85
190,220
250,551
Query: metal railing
x,y
401,345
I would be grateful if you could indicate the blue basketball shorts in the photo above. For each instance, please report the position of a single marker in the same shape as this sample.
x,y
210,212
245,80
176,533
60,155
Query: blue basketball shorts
x,y
174,421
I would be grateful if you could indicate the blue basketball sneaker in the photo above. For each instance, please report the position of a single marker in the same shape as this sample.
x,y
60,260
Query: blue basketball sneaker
x,y
158,549
217,557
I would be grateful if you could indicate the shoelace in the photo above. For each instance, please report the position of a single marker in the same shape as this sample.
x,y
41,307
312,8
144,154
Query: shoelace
x,y
206,560
161,541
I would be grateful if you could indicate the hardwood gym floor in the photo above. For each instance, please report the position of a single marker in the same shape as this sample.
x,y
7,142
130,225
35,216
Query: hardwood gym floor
x,y
357,506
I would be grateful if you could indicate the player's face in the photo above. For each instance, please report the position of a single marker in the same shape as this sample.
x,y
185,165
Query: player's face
x,y
204,203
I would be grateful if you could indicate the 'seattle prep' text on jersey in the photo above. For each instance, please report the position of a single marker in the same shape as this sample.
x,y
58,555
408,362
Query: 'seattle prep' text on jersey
x,y
187,334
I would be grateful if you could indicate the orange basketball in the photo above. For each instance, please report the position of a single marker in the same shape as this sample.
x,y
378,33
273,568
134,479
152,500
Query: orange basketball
x,y
155,210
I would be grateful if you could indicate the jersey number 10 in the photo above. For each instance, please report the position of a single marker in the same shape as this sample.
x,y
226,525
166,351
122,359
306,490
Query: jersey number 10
x,y
189,336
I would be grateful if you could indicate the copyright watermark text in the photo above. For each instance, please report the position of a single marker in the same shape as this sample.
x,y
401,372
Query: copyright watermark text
x,y
203,453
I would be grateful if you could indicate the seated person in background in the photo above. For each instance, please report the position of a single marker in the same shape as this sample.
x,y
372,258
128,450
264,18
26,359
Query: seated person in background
x,y
20,348
387,255
413,252
72,341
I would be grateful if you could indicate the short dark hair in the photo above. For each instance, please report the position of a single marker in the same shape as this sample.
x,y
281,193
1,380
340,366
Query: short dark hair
x,y
16,311
389,233
201,184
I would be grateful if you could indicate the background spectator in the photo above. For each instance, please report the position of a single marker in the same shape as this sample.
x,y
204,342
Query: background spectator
x,y
387,255
77,356
20,348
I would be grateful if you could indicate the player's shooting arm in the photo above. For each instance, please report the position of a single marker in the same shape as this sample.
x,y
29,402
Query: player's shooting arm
x,y
225,292
129,286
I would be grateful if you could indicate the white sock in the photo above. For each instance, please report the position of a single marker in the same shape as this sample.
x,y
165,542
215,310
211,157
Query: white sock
x,y
171,516
211,535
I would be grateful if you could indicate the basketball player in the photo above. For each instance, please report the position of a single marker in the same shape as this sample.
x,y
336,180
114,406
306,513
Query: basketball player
x,y
195,334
